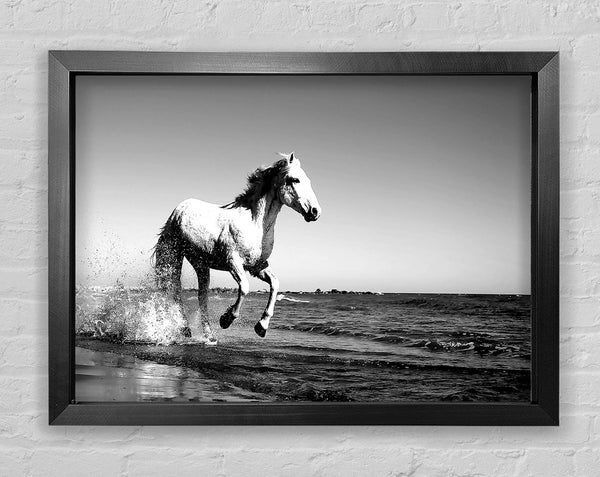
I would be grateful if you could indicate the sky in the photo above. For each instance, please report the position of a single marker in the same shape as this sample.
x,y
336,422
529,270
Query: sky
x,y
424,181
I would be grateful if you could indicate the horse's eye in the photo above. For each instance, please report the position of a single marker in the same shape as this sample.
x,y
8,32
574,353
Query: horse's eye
x,y
292,180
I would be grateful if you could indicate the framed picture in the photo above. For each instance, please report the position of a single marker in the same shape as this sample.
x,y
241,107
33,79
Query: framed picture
x,y
413,275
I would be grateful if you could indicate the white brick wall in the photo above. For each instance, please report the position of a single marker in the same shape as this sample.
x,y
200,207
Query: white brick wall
x,y
28,28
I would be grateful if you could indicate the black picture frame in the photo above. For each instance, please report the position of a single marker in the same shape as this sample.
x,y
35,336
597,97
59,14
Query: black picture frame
x,y
543,68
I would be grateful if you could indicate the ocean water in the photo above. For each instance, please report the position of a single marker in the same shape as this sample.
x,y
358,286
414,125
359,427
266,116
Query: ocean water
x,y
351,347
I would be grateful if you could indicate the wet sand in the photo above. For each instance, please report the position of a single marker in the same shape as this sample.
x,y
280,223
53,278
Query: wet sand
x,y
106,376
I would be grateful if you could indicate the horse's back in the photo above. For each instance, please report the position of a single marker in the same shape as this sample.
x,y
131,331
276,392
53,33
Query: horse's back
x,y
200,224
197,215
212,233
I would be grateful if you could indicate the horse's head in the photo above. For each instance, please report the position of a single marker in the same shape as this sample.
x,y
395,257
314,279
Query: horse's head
x,y
295,190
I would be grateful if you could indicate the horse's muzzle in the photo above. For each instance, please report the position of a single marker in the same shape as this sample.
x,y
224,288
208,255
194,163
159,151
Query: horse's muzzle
x,y
312,214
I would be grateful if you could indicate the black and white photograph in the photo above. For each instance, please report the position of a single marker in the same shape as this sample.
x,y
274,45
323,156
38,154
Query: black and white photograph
x,y
277,238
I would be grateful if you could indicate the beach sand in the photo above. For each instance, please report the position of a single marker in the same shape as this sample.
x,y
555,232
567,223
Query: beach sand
x,y
102,375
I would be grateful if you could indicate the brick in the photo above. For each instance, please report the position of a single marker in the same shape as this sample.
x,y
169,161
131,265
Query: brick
x,y
95,463
14,462
17,395
38,15
580,351
21,124
24,247
89,15
184,16
28,283
517,20
23,317
580,168
587,461
325,462
443,462
581,388
579,279
238,16
22,353
561,17
547,462
138,15
579,88
364,461
579,312
23,168
586,51
579,203
575,127
482,15
590,243
152,462
380,18
431,16
593,128
24,206
331,16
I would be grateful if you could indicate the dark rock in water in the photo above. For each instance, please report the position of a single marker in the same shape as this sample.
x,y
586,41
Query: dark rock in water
x,y
434,345
308,392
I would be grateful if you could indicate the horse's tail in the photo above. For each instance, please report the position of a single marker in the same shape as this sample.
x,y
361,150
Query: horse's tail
x,y
168,255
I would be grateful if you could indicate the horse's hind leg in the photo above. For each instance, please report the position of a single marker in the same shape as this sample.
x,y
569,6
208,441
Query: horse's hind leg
x,y
239,274
169,260
203,274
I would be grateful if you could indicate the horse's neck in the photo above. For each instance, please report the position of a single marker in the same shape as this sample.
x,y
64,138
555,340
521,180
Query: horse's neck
x,y
264,212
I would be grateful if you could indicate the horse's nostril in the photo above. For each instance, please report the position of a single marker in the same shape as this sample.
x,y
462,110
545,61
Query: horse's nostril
x,y
314,211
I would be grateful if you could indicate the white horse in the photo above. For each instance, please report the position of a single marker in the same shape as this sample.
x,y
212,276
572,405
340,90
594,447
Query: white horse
x,y
236,237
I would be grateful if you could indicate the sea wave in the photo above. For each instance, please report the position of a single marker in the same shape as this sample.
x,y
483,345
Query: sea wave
x,y
472,306
334,330
478,344
457,341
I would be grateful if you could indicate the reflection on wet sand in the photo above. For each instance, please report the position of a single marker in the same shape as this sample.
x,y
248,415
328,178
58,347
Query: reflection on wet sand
x,y
104,376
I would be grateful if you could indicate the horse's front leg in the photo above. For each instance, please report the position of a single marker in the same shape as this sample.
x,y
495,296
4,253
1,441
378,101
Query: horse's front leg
x,y
267,275
239,275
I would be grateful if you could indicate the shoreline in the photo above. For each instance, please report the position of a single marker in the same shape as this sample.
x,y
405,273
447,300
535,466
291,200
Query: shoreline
x,y
106,375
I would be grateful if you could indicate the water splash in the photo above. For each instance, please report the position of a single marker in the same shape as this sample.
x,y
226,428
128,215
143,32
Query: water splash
x,y
138,314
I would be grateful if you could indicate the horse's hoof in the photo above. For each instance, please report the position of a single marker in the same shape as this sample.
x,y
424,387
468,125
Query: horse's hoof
x,y
226,319
186,332
211,342
260,331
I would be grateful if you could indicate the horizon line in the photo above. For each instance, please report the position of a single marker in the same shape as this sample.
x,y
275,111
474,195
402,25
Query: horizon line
x,y
333,291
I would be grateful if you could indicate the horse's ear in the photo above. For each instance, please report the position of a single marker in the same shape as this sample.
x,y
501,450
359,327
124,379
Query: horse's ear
x,y
289,157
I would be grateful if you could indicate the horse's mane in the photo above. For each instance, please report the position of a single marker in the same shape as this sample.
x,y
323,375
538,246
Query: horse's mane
x,y
258,184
